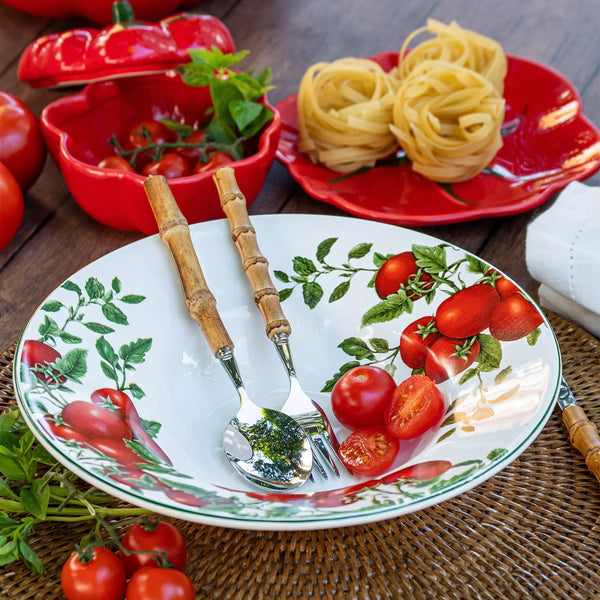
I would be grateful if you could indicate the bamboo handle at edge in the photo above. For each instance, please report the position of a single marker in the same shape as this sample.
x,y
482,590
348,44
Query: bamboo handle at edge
x,y
584,437
175,233
255,265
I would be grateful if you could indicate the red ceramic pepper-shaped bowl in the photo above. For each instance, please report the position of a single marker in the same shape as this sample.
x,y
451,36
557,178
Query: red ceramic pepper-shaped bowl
x,y
77,130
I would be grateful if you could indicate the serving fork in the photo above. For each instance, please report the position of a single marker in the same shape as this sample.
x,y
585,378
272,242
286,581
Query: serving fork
x,y
298,404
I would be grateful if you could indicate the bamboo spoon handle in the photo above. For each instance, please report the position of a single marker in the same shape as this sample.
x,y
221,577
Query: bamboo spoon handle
x,y
254,263
175,233
584,437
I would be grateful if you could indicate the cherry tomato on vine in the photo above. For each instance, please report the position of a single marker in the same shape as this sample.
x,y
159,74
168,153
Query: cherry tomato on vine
x,y
448,357
217,159
417,405
396,271
22,148
38,354
467,312
11,206
148,132
153,538
94,421
415,341
361,395
369,451
514,318
153,583
192,153
171,165
116,162
102,577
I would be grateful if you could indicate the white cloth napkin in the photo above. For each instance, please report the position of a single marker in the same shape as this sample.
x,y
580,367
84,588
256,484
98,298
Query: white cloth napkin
x,y
563,253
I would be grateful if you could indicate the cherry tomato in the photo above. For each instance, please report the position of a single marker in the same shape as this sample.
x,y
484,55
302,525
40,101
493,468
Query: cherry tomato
x,y
116,162
148,132
22,148
415,341
467,312
11,205
171,165
164,537
192,153
153,583
64,431
369,451
38,354
115,401
417,405
514,318
448,357
361,395
94,421
397,271
217,159
101,578
118,450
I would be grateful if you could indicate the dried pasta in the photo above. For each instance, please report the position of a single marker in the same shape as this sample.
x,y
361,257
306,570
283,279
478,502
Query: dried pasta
x,y
458,46
448,120
344,112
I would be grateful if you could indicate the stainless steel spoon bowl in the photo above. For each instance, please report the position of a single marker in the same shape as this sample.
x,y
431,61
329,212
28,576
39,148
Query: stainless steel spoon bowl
x,y
266,446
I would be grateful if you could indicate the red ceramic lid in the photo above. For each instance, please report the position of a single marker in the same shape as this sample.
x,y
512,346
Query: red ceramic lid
x,y
128,47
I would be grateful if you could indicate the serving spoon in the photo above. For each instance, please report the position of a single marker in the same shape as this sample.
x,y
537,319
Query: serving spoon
x,y
265,446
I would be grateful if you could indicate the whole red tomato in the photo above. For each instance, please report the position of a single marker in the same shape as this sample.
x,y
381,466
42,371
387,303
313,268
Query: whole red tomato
x,y
467,312
417,405
171,165
38,354
148,132
216,160
11,206
94,421
153,583
415,341
22,148
116,162
192,152
448,357
396,271
514,318
361,395
101,577
153,538
369,451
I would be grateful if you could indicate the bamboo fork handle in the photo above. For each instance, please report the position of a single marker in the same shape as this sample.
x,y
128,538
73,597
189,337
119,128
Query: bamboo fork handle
x,y
254,263
175,233
584,436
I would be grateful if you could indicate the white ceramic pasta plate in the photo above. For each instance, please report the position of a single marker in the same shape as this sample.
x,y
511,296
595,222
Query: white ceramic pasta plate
x,y
121,324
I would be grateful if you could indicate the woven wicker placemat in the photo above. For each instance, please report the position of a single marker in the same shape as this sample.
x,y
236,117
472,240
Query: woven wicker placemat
x,y
531,531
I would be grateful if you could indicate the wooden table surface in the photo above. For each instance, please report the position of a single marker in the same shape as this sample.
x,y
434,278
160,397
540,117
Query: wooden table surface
x,y
56,237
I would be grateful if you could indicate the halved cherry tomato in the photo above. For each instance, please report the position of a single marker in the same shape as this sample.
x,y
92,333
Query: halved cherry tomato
x,y
148,132
171,165
37,355
417,405
217,159
369,451
116,162
514,318
11,206
396,271
361,395
100,578
153,538
467,312
415,341
94,421
22,148
448,357
154,583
